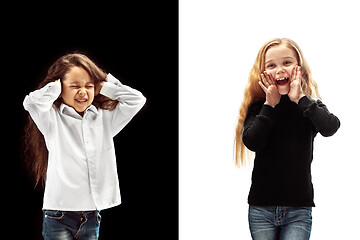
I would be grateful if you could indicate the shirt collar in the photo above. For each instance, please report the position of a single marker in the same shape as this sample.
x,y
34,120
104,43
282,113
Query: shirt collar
x,y
65,109
93,109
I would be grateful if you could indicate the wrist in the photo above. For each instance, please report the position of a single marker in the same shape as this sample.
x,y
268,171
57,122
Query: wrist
x,y
271,105
301,96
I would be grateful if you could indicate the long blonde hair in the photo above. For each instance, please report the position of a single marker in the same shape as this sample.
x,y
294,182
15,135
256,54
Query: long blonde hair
x,y
253,91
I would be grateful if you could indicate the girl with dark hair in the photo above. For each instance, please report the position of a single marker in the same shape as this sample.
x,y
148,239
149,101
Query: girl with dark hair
x,y
74,115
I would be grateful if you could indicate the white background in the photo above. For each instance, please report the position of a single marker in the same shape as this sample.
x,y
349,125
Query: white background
x,y
219,41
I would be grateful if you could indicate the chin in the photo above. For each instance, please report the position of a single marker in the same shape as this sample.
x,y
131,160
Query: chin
x,y
80,110
283,90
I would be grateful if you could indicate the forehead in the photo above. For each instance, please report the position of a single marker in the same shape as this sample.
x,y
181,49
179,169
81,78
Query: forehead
x,y
279,52
77,74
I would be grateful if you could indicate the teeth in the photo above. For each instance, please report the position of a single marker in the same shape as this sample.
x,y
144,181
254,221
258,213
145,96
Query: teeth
x,y
281,79
80,100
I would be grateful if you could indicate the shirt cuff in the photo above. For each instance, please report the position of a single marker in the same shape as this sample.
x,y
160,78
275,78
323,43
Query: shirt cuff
x,y
267,111
50,91
305,103
110,87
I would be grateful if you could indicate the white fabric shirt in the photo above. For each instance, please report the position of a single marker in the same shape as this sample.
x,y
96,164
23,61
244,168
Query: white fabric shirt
x,y
82,173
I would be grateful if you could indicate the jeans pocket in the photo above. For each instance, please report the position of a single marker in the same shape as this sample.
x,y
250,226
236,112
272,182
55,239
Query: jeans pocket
x,y
98,217
54,215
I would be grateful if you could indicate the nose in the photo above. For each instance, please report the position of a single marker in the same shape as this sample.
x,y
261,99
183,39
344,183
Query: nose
x,y
280,70
82,92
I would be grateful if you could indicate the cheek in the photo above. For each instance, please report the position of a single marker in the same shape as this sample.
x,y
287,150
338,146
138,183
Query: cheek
x,y
284,90
91,94
68,94
290,69
272,72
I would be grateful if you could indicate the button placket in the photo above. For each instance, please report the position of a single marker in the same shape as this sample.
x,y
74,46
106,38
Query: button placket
x,y
90,158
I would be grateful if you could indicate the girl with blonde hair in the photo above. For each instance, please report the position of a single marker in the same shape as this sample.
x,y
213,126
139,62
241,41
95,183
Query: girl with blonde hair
x,y
279,118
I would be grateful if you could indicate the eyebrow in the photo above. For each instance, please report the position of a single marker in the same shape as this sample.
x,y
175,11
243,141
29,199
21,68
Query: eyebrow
x,y
77,82
282,58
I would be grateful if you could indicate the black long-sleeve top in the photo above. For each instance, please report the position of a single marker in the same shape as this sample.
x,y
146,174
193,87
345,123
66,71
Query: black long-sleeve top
x,y
282,139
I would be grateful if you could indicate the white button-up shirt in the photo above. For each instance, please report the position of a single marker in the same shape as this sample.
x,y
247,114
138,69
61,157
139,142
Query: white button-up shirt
x,y
81,172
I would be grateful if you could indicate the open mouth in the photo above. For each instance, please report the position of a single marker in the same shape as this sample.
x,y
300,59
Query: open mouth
x,y
81,101
282,81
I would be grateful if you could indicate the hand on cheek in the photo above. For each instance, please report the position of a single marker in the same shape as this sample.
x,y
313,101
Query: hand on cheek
x,y
295,92
268,85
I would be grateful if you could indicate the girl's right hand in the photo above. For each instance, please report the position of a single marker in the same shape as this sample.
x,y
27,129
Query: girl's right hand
x,y
268,85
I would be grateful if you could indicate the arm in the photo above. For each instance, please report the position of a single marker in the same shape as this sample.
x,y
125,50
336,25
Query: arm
x,y
257,125
260,117
325,122
130,103
39,104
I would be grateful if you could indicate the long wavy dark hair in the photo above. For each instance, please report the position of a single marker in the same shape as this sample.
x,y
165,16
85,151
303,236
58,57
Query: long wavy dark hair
x,y
36,153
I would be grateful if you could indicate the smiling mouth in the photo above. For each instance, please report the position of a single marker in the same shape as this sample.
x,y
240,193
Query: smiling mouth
x,y
282,81
81,101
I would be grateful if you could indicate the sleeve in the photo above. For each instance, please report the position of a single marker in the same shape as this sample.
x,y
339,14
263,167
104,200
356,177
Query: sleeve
x,y
130,103
324,122
39,105
257,125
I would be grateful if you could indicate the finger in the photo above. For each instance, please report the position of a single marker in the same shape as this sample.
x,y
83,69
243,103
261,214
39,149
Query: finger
x,y
268,79
293,74
271,79
264,80
262,86
298,74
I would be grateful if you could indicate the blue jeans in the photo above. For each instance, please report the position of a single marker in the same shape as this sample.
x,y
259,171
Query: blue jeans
x,y
285,223
66,225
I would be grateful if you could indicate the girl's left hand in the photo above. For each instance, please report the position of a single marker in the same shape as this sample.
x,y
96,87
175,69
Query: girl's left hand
x,y
295,92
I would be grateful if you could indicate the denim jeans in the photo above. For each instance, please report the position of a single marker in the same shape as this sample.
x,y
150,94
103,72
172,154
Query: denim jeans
x,y
285,223
66,225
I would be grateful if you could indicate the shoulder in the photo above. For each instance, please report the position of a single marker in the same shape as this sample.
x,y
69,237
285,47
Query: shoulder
x,y
256,106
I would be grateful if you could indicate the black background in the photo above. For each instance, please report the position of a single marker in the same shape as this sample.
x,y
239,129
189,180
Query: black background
x,y
137,42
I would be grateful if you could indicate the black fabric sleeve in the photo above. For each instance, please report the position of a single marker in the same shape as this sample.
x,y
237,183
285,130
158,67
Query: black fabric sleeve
x,y
257,125
325,122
